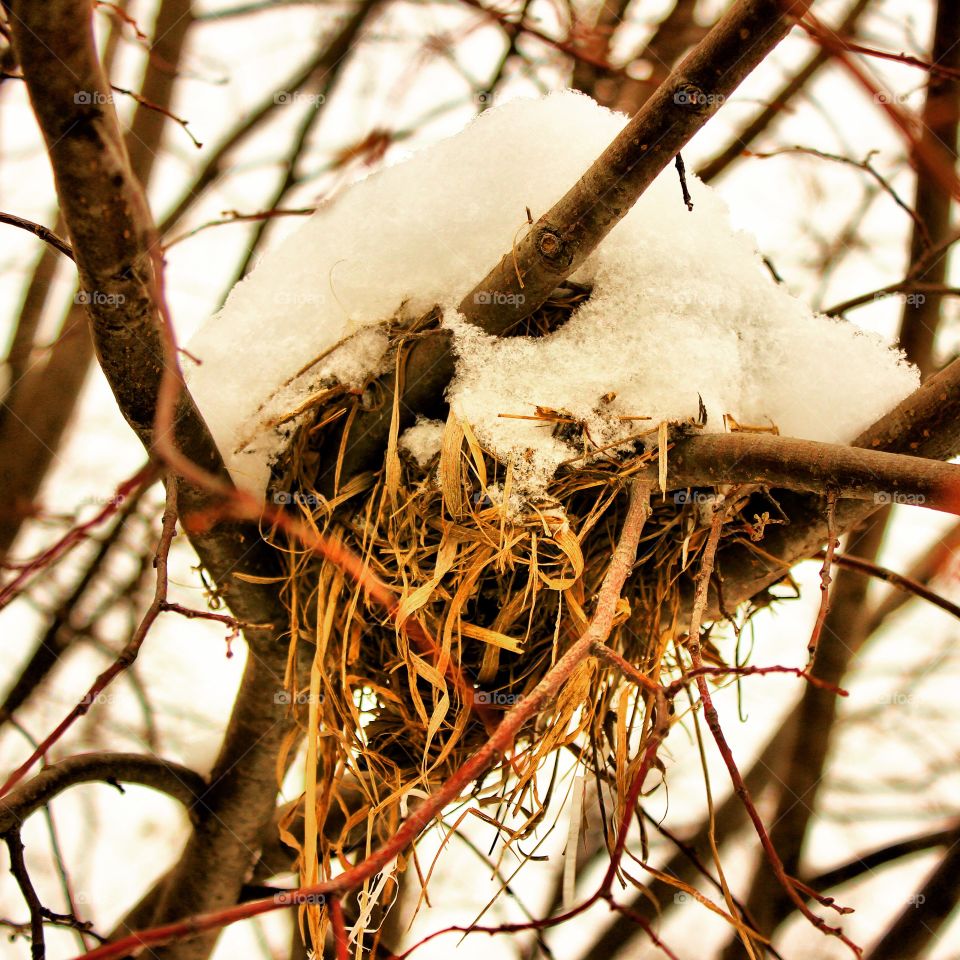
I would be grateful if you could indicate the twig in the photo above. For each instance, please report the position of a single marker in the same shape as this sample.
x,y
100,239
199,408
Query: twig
x,y
144,102
682,174
19,870
621,565
143,477
825,578
899,580
44,233
863,165
129,653
708,557
340,946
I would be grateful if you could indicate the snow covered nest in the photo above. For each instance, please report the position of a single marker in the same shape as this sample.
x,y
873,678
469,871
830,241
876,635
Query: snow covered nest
x,y
681,306
495,527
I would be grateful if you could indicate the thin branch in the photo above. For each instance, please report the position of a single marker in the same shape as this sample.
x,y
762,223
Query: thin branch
x,y
38,230
869,862
925,424
19,870
903,583
867,167
130,651
346,40
785,882
825,576
927,566
175,780
58,632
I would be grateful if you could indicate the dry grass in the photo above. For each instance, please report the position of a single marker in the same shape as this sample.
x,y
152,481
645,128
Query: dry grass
x,y
488,599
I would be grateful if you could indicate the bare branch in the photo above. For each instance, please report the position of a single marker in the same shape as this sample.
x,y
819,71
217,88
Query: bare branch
x,y
779,101
38,230
177,781
850,472
566,235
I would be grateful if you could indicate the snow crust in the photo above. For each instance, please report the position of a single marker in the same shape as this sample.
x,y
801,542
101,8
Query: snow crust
x,y
682,307
422,440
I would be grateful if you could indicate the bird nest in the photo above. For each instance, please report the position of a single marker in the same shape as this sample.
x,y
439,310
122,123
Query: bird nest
x,y
485,597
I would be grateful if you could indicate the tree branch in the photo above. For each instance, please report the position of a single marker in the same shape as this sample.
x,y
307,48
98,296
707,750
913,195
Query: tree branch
x,y
925,424
850,472
38,230
778,102
115,245
568,233
175,780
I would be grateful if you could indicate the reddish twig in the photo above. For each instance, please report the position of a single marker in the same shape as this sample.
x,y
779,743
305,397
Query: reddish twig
x,y
673,688
621,565
159,109
905,58
129,653
713,722
339,929
942,172
145,475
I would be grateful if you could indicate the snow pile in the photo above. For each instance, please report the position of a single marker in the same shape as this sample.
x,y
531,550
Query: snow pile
x,y
681,307
422,440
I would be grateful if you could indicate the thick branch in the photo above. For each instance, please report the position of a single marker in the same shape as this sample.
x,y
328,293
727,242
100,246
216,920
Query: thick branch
x,y
925,424
763,120
177,781
114,242
568,233
851,472
933,204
